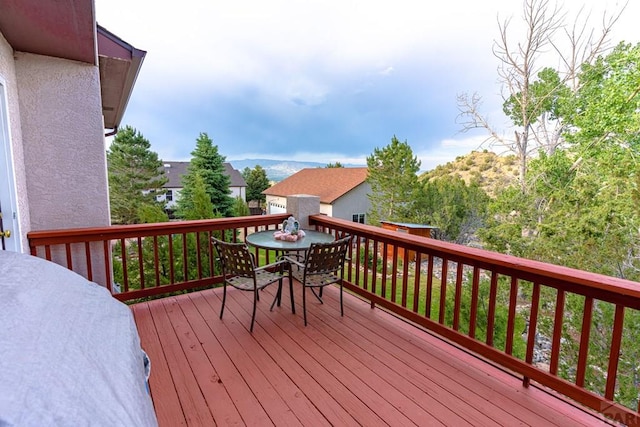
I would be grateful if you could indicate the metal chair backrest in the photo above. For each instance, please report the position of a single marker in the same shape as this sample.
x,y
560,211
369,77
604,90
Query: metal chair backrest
x,y
235,258
326,258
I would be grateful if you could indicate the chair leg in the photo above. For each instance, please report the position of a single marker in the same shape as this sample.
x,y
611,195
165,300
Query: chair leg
x,y
341,307
278,296
304,303
319,297
293,306
255,302
224,298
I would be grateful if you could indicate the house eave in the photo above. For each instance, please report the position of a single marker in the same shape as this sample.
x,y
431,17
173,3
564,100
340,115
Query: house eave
x,y
68,30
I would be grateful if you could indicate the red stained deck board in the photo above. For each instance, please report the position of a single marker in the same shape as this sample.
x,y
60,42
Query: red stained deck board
x,y
364,368
303,371
196,409
476,375
391,405
163,392
250,389
218,380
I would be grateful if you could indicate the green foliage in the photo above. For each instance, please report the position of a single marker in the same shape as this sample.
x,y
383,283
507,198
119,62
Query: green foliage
x,y
152,213
580,209
547,94
240,207
257,182
393,180
457,209
334,165
135,177
605,110
200,206
209,165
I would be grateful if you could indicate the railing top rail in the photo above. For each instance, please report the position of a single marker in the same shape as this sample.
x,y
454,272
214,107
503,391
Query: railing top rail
x,y
535,271
73,235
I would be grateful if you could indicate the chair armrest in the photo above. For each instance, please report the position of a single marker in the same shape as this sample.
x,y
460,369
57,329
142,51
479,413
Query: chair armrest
x,y
273,264
293,261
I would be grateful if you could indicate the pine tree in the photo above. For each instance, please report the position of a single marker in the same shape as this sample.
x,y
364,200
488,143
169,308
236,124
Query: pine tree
x,y
393,178
135,177
209,165
257,182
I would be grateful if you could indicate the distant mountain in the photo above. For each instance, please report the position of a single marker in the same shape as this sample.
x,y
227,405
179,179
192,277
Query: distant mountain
x,y
277,170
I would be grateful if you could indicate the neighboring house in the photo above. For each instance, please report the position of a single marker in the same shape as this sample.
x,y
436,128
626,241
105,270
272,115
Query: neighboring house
x,y
63,81
343,192
175,170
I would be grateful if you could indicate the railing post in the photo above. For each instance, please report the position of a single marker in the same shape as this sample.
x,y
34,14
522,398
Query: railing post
x,y
301,206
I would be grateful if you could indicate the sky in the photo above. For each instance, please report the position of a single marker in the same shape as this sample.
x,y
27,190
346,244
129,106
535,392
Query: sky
x,y
322,81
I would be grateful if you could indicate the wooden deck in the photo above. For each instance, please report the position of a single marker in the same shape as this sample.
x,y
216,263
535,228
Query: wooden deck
x,y
368,368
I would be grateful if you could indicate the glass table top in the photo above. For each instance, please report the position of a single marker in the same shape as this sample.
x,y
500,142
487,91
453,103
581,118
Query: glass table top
x,y
265,240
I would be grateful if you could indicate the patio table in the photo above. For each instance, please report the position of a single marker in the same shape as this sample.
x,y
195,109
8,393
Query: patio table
x,y
265,240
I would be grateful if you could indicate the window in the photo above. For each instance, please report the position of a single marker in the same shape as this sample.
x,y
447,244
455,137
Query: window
x,y
358,218
168,195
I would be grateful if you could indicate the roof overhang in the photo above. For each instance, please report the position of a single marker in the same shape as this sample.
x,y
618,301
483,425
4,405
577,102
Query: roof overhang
x,y
119,64
67,29
63,29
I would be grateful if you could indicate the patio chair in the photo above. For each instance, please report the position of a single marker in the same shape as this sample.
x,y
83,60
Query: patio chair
x,y
240,271
323,265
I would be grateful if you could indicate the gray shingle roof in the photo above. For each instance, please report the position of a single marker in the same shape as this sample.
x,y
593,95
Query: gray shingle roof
x,y
175,170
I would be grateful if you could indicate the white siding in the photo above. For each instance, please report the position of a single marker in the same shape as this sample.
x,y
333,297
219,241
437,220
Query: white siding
x,y
355,201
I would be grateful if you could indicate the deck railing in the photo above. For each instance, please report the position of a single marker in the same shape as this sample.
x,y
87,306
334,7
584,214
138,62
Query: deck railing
x,y
543,322
142,260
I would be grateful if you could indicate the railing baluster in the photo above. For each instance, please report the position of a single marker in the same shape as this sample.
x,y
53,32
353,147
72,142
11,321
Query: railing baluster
x,y
531,330
358,264
614,353
106,248
141,263
405,279
365,266
67,250
156,260
383,285
584,341
444,272
375,261
416,284
185,258
491,315
457,301
171,261
427,308
211,251
511,320
474,302
557,332
199,254
125,270
87,259
394,277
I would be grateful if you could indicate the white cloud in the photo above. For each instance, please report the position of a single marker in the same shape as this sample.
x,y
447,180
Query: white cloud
x,y
261,61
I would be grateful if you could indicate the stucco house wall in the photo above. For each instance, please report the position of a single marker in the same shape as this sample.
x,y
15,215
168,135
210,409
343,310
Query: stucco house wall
x,y
63,142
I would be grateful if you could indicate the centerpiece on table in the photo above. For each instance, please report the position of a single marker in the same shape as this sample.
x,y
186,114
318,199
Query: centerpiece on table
x,y
290,232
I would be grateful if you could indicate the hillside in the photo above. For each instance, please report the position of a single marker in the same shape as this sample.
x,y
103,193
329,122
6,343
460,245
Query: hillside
x,y
491,171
